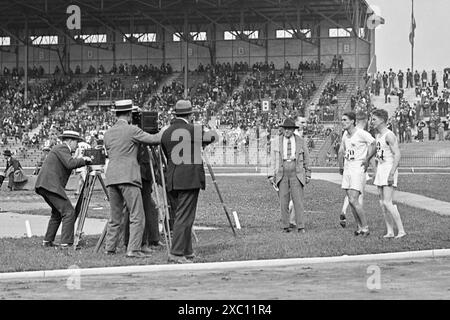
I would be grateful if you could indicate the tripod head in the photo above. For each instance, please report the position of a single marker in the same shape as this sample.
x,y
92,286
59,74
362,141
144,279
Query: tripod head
x,y
93,169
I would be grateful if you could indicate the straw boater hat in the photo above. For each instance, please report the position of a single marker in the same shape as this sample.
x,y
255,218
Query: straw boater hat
x,y
289,123
123,105
183,107
70,134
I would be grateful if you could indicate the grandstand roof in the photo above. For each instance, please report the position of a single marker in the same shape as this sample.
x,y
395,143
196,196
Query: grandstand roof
x,y
113,14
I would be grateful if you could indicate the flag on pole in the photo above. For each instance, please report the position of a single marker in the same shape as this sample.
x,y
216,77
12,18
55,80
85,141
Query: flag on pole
x,y
413,27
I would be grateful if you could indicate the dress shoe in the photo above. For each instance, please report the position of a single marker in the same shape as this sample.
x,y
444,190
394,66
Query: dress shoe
x,y
137,254
156,245
342,220
47,244
178,259
146,250
191,256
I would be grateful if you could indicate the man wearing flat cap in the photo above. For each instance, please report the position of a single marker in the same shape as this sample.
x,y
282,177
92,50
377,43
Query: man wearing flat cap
x,y
290,173
123,179
182,144
50,184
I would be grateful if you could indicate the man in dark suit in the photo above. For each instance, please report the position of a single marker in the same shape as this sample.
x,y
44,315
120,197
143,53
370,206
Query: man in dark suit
x,y
123,179
51,182
291,173
409,79
12,165
182,142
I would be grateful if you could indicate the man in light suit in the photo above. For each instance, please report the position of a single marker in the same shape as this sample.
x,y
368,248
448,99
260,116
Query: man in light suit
x,y
50,184
290,172
185,175
123,179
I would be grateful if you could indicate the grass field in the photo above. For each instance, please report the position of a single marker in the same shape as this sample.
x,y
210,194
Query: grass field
x,y
434,186
260,236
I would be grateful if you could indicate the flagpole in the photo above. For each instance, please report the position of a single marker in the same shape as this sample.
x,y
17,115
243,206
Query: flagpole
x,y
412,42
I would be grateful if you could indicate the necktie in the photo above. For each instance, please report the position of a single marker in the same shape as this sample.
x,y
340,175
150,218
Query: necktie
x,y
289,149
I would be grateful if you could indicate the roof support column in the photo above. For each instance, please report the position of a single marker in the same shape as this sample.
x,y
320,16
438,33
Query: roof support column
x,y
356,34
186,57
25,94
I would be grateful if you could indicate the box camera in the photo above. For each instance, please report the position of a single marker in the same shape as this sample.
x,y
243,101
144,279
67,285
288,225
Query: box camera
x,y
146,120
98,156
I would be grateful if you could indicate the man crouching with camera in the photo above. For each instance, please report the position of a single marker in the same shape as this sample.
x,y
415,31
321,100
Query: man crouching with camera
x,y
123,179
50,184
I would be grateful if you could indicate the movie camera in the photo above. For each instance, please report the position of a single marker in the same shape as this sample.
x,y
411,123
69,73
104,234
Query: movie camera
x,y
146,120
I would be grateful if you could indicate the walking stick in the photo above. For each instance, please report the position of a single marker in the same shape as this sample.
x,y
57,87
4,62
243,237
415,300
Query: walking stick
x,y
213,177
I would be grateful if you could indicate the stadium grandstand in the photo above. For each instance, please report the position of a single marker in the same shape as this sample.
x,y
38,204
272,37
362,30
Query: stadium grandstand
x,y
245,64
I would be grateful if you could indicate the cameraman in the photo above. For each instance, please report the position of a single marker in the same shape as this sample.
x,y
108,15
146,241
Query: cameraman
x,y
123,178
151,236
50,184
185,176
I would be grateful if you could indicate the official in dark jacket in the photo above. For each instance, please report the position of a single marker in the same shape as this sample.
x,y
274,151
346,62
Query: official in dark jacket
x,y
182,143
50,184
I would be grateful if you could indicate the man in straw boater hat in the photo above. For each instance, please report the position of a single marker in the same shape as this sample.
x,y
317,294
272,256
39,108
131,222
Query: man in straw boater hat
x,y
50,184
291,173
182,143
151,236
123,179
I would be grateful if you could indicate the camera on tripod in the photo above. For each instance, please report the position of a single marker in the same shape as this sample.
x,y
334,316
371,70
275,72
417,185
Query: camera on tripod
x,y
146,120
98,157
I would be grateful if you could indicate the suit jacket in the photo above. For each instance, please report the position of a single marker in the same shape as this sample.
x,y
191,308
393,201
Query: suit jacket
x,y
122,144
302,169
189,174
56,170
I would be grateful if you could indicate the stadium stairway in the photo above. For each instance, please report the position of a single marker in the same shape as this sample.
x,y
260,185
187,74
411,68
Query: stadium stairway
x,y
173,77
327,78
315,152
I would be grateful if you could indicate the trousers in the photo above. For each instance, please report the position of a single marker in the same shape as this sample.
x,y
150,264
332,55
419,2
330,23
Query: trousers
x,y
186,206
130,195
62,211
291,188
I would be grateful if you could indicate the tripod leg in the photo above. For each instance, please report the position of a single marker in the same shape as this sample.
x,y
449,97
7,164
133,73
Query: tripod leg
x,y
213,177
103,186
166,206
101,240
158,200
85,206
83,211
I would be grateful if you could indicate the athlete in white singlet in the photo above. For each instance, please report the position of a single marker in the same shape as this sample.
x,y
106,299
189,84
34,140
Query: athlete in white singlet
x,y
352,153
387,157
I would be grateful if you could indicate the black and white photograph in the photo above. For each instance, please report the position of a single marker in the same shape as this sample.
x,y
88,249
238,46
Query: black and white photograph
x,y
224,157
